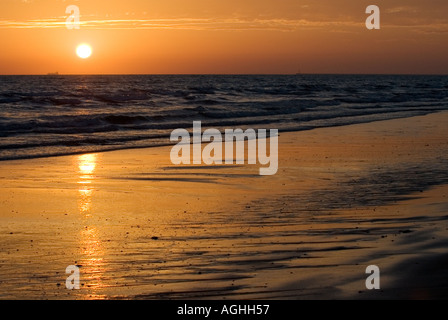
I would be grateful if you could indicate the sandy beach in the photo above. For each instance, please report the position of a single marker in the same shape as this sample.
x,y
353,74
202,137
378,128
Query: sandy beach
x,y
139,227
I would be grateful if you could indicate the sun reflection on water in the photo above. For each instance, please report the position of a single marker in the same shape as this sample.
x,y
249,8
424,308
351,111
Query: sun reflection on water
x,y
92,250
85,201
86,165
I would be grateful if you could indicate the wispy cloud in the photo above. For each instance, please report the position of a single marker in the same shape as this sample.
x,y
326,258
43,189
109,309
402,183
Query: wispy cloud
x,y
229,24
404,9
181,24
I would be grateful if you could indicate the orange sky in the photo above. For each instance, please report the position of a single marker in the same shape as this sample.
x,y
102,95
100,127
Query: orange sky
x,y
224,36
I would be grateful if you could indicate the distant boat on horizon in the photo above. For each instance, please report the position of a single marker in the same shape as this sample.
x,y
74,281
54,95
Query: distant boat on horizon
x,y
53,73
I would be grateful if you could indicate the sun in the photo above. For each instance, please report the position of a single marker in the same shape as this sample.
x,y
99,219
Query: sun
x,y
84,51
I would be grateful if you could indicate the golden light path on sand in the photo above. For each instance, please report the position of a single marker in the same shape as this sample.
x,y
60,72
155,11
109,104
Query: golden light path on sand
x,y
92,269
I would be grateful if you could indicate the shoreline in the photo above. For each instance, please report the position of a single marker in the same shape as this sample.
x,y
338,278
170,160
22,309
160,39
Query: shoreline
x,y
140,228
170,144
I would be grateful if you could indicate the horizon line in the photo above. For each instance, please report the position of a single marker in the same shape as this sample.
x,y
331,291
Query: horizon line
x,y
226,74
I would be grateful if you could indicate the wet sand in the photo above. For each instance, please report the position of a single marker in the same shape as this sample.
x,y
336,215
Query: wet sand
x,y
139,227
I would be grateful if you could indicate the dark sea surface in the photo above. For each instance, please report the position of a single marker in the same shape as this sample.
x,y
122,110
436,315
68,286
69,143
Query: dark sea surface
x,y
57,115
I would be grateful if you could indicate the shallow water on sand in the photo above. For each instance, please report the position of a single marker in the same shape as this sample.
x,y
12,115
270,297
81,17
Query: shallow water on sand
x,y
139,227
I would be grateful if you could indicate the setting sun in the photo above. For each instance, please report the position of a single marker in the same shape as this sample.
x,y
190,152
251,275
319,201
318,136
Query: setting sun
x,y
84,51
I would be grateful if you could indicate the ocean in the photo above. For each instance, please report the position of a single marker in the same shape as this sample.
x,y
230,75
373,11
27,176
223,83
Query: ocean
x,y
53,115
